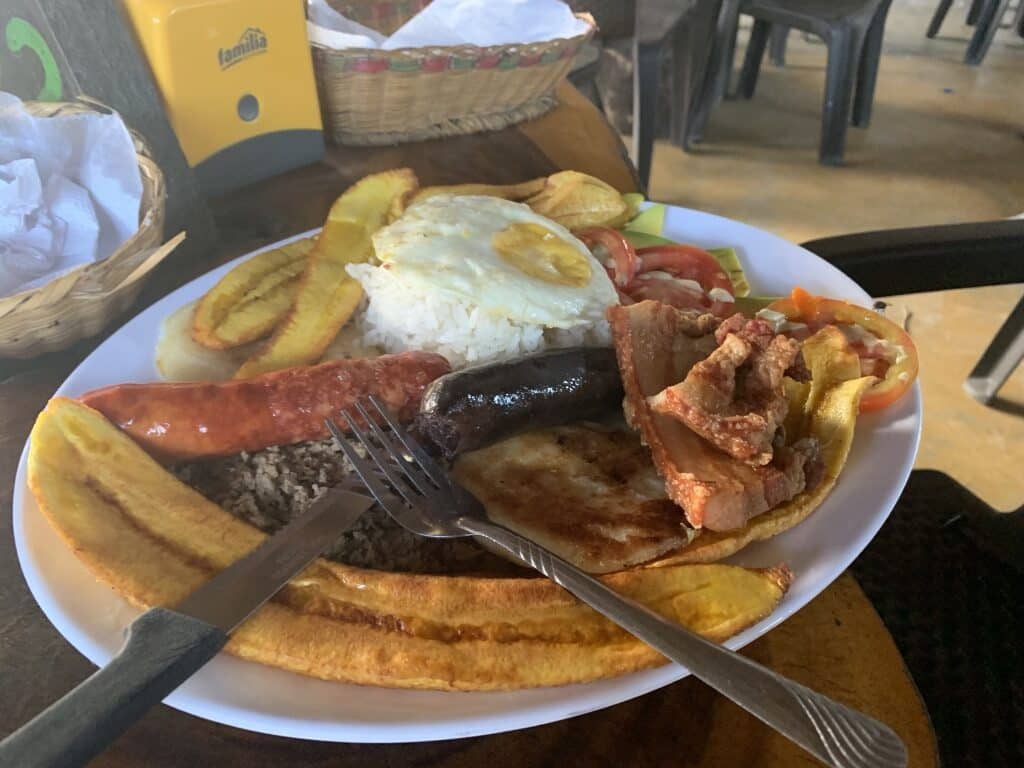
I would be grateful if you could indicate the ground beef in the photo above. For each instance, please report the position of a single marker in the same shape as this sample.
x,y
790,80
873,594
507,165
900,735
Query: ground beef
x,y
270,487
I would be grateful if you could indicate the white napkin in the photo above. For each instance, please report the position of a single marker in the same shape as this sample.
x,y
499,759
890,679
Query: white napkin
x,y
453,22
70,191
330,29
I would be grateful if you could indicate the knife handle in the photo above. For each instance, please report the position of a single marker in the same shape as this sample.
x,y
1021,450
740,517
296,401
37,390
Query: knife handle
x,y
162,649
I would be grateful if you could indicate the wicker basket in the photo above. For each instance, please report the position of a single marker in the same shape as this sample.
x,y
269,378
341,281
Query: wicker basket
x,y
80,303
386,97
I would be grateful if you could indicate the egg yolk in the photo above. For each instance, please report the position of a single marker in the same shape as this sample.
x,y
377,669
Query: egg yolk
x,y
540,253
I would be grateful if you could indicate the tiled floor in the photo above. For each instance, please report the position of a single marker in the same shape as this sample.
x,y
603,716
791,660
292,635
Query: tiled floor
x,y
946,142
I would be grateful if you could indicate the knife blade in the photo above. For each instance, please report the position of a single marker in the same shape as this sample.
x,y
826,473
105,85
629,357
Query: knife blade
x,y
166,646
226,600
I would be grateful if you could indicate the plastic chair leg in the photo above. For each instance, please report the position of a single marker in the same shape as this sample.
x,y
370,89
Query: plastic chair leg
x,y
1001,358
752,61
702,48
844,48
724,48
702,106
940,16
686,52
777,44
988,24
867,73
646,74
974,12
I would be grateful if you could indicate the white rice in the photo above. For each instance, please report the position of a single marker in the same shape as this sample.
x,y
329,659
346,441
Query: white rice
x,y
400,317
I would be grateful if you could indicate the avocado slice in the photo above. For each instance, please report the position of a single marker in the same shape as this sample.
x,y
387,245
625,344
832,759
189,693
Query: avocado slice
x,y
730,262
650,221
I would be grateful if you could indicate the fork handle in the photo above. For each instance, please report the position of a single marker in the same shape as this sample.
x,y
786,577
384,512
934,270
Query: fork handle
x,y
837,735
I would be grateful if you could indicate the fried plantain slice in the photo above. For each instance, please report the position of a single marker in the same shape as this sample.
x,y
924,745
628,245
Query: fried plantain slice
x,y
153,539
327,296
573,199
252,298
516,192
576,201
829,358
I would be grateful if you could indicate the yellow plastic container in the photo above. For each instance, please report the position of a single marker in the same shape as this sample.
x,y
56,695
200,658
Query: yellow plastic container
x,y
236,78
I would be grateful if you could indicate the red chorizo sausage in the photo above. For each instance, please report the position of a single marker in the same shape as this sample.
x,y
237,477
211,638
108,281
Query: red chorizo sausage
x,y
196,420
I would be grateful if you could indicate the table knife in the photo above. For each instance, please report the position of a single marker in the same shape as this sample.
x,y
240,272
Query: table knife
x,y
166,646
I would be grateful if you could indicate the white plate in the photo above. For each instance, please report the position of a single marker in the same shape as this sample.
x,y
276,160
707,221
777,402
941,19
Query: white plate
x,y
247,695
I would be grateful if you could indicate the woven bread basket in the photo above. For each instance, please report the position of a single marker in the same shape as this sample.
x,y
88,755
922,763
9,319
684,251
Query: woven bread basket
x,y
79,303
370,96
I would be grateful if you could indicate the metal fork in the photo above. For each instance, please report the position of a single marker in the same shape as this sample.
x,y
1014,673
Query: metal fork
x,y
425,500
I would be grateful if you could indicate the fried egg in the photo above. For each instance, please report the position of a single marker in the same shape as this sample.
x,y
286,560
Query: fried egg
x,y
499,255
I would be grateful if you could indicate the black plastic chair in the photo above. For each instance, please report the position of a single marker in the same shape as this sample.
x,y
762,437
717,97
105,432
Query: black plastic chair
x,y
935,258
777,44
985,31
985,15
687,27
972,13
852,30
897,261
943,8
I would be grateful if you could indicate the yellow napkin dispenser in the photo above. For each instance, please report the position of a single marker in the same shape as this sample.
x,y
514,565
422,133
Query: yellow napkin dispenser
x,y
236,78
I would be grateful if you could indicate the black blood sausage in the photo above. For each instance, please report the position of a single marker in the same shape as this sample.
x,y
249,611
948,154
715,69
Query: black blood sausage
x,y
474,407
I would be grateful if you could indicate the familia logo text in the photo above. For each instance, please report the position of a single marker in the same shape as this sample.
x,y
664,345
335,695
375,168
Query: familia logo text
x,y
251,42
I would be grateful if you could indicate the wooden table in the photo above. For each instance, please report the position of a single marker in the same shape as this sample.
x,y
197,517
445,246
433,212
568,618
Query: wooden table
x,y
837,644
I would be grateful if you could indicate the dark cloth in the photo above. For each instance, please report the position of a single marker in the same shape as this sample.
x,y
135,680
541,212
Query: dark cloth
x,y
956,612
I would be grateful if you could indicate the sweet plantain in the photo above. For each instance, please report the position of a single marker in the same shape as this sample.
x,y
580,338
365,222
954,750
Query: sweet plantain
x,y
327,296
577,201
516,192
251,299
154,539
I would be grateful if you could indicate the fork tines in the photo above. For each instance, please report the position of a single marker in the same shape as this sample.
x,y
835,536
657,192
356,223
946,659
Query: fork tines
x,y
410,472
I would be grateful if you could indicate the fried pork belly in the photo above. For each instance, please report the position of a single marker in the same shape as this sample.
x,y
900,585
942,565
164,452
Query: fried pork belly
x,y
734,397
657,346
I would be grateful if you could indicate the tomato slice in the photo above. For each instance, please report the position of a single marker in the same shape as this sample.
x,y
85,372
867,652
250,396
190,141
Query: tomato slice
x,y
680,275
621,252
885,349
655,286
686,263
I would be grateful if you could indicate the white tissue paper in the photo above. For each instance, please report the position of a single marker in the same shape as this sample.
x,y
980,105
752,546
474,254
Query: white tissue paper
x,y
330,29
452,22
70,191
